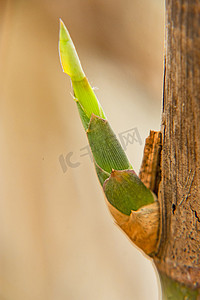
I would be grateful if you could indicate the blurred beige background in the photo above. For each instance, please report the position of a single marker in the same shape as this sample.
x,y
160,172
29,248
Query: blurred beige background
x,y
57,239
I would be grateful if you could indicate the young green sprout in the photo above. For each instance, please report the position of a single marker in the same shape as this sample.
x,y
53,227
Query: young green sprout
x,y
123,189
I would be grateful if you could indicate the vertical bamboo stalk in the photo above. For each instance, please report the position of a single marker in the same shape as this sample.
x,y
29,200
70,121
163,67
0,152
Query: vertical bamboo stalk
x,y
179,253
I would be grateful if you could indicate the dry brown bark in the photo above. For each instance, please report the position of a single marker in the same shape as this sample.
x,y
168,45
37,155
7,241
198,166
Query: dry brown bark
x,y
179,252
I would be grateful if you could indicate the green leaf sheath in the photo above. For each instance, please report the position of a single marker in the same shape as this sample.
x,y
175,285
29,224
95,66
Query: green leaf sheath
x,y
84,118
106,149
128,193
126,185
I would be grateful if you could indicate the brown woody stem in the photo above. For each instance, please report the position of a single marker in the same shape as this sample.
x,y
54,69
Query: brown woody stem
x,y
179,253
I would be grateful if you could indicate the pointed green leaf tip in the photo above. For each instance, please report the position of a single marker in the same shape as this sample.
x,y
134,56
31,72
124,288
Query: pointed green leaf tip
x,y
68,56
83,92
